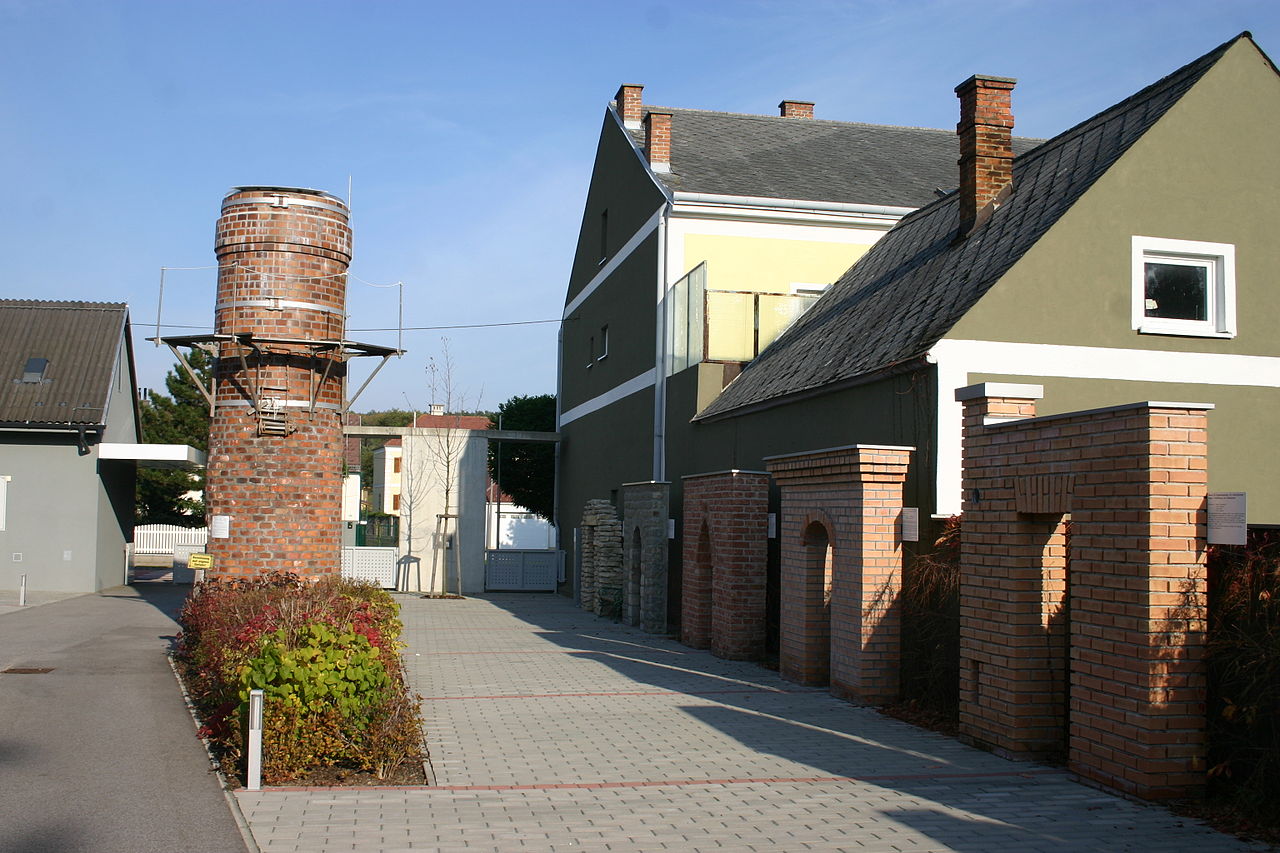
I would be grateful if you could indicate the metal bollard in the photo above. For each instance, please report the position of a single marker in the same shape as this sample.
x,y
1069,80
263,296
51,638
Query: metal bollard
x,y
253,782
22,592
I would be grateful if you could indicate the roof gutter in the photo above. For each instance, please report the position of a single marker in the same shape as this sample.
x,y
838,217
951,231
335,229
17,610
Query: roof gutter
x,y
31,426
790,204
906,366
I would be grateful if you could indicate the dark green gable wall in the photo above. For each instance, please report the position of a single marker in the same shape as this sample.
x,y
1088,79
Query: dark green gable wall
x,y
613,445
621,184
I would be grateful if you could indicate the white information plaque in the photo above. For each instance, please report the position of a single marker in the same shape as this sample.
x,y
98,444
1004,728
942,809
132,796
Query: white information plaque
x,y
220,526
1227,518
910,524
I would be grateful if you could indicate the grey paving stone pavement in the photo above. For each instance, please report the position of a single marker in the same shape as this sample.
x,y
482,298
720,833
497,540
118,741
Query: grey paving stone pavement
x,y
551,729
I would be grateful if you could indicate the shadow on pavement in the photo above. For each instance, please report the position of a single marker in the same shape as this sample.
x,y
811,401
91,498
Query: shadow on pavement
x,y
969,800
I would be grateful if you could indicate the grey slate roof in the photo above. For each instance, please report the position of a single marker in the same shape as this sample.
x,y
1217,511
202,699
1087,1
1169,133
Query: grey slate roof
x,y
809,159
913,285
81,340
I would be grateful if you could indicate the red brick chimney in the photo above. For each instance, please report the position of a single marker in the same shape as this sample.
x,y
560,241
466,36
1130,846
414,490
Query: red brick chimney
x,y
986,143
657,141
628,104
796,109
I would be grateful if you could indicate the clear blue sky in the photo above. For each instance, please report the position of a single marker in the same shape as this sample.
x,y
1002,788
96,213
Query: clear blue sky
x,y
468,131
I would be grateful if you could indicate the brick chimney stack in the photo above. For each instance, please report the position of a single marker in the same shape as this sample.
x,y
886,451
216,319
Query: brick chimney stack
x,y
986,143
274,479
629,105
796,109
657,141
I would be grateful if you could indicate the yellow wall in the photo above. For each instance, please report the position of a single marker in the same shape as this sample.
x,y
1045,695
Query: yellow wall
x,y
766,265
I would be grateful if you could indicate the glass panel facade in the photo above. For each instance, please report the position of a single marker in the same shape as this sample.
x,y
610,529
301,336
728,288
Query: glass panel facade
x,y
728,325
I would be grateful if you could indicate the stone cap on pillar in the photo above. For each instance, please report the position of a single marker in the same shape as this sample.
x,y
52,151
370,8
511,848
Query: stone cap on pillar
x,y
1009,390
851,462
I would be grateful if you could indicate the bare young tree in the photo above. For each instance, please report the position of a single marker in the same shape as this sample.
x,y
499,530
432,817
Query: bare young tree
x,y
432,466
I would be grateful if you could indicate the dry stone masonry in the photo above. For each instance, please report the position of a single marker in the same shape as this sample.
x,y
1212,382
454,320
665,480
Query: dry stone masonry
x,y
644,512
601,548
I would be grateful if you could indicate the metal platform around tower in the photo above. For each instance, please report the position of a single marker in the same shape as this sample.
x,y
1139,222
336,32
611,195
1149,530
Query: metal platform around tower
x,y
249,343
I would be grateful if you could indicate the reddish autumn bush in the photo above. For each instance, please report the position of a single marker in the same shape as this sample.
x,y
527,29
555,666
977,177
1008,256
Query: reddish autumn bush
x,y
327,657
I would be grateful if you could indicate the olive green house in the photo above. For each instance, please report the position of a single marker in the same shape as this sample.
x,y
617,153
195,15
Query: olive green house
x,y
1132,257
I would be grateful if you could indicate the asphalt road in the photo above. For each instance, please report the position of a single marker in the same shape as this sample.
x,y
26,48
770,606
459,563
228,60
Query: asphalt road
x,y
100,754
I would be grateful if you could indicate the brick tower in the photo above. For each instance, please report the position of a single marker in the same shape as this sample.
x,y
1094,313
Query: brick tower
x,y
274,481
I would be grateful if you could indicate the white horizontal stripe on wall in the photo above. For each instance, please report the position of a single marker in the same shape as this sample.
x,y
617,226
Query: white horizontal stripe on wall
x,y
957,360
626,389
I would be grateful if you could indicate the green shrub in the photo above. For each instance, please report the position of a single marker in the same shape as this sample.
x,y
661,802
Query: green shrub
x,y
326,656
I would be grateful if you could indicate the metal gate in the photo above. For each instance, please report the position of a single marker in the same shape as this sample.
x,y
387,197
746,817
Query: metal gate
x,y
513,570
377,565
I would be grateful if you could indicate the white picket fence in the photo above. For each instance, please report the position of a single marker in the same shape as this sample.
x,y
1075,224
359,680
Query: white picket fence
x,y
164,538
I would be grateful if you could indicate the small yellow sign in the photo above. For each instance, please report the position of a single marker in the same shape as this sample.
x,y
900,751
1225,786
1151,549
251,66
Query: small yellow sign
x,y
200,561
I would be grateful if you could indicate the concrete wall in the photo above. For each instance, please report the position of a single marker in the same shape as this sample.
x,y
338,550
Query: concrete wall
x,y
59,516
435,459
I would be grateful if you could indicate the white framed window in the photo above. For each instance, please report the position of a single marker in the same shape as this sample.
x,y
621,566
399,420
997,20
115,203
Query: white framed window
x,y
604,343
1184,287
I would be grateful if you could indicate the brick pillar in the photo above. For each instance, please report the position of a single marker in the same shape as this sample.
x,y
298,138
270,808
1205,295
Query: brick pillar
x,y
1133,480
848,499
1138,602
275,438
1006,698
645,509
729,562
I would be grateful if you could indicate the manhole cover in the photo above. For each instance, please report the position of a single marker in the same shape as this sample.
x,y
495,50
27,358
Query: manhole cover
x,y
26,670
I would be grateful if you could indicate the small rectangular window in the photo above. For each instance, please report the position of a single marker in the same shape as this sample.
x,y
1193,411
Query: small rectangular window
x,y
604,342
604,235
395,465
1183,287
395,503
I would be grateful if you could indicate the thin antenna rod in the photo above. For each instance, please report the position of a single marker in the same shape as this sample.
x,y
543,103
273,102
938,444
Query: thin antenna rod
x,y
159,306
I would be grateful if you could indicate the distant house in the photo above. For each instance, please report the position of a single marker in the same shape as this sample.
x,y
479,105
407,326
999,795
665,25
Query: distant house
x,y
69,444
1131,257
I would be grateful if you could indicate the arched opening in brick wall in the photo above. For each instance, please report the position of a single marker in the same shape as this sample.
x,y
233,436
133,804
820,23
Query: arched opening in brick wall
x,y
635,552
1082,587
819,558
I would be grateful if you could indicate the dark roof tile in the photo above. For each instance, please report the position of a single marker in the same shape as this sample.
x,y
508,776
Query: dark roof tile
x,y
81,341
809,159
911,287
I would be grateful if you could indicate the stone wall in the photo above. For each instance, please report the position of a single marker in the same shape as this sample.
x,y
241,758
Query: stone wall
x,y
600,544
645,509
